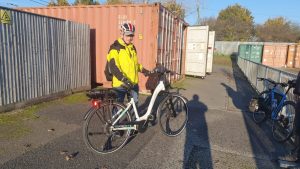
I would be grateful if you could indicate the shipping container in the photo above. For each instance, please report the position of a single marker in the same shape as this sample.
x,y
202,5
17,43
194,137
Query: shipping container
x,y
196,52
290,62
256,53
252,52
210,51
275,54
244,51
159,34
297,56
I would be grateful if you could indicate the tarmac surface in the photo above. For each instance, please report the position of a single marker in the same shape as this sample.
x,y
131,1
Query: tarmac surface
x,y
220,134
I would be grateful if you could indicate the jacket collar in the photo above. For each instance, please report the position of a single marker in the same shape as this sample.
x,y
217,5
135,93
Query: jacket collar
x,y
121,42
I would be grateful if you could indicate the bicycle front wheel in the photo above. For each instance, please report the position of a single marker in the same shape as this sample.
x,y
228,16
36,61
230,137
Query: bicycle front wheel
x,y
259,115
172,114
97,132
283,126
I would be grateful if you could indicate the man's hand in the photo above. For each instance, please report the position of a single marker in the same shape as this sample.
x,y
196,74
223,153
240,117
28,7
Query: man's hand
x,y
146,72
127,84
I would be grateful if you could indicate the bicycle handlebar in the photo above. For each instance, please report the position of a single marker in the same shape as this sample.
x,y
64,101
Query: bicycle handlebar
x,y
290,83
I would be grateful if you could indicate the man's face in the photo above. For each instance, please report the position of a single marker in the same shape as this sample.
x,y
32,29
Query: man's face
x,y
128,39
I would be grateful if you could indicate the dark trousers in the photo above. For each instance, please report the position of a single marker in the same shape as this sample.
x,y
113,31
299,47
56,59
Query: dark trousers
x,y
121,93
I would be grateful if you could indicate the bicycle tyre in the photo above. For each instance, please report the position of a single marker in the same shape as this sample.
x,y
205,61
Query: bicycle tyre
x,y
97,136
283,127
259,115
179,118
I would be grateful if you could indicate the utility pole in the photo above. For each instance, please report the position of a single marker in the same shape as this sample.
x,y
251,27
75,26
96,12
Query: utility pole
x,y
198,11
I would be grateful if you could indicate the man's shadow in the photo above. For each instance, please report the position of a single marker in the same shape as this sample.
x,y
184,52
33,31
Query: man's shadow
x,y
197,152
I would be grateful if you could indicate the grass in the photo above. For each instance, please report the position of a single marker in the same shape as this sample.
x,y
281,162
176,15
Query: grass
x,y
179,84
12,124
74,98
221,59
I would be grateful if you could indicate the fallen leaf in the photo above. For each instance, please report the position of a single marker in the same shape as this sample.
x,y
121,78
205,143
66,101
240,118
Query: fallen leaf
x,y
51,129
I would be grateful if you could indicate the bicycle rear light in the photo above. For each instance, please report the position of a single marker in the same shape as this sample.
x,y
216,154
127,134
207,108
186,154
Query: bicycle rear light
x,y
96,103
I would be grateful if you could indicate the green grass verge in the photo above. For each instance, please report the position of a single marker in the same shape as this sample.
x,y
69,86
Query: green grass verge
x,y
12,124
221,59
179,84
74,98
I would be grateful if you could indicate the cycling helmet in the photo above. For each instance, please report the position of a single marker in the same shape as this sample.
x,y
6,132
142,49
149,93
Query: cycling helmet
x,y
128,29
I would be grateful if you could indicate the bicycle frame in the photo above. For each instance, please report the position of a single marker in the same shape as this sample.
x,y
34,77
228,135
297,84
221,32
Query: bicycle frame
x,y
279,105
160,87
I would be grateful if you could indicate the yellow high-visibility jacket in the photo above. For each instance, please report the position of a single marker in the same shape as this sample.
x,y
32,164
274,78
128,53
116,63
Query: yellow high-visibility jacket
x,y
125,57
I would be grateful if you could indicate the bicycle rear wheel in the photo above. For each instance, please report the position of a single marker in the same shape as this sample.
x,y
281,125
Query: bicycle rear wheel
x,y
172,115
97,132
283,126
259,115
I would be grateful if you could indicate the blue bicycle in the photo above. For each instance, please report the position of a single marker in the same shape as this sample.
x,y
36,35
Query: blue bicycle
x,y
273,104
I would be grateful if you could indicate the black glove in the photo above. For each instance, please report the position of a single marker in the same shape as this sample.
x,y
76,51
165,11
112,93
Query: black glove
x,y
146,72
127,84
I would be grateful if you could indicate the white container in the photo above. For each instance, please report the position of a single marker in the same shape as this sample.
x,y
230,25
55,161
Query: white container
x,y
196,50
210,51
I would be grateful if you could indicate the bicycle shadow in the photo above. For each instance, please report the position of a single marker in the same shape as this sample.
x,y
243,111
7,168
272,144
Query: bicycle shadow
x,y
197,152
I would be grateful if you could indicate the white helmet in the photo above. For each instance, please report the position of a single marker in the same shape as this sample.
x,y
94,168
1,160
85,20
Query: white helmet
x,y
128,29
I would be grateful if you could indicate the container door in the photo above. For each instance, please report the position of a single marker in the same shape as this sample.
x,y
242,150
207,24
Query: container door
x,y
210,51
256,53
196,51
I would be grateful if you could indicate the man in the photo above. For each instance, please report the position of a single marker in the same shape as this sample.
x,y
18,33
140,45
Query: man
x,y
295,155
123,63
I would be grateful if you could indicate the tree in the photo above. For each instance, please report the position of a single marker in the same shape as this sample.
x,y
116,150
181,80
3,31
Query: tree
x,y
278,30
86,2
211,22
113,2
174,7
58,3
235,23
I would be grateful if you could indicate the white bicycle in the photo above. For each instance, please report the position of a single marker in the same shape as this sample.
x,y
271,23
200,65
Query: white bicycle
x,y
108,124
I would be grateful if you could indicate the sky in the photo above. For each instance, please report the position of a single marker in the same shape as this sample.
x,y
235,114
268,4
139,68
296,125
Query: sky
x,y
261,10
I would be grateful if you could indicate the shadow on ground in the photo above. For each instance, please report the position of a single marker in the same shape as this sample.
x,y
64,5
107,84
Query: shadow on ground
x,y
197,133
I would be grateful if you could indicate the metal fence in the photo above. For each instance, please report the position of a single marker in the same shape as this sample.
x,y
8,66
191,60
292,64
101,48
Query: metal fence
x,y
41,56
253,70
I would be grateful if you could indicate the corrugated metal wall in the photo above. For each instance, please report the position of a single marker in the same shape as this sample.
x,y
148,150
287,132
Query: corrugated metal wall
x,y
40,56
170,42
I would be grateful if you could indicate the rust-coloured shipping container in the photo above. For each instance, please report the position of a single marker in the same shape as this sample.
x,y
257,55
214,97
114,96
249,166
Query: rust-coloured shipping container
x,y
297,56
290,62
275,54
160,35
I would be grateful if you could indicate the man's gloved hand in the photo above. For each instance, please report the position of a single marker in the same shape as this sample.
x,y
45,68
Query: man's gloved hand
x,y
127,84
146,72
